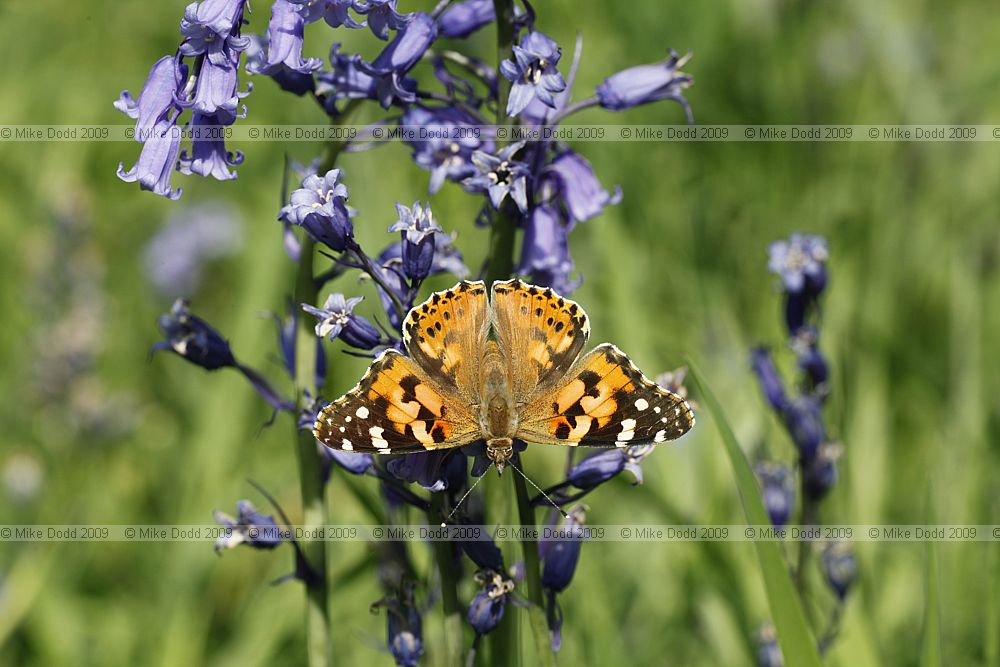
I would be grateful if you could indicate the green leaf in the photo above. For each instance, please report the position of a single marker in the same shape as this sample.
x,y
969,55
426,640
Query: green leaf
x,y
932,610
797,643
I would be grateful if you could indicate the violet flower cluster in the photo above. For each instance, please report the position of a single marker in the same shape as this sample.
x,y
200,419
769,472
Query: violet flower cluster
x,y
801,265
545,188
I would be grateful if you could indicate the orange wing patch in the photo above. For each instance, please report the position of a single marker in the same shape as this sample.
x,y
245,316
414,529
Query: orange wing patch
x,y
444,335
540,332
395,409
606,401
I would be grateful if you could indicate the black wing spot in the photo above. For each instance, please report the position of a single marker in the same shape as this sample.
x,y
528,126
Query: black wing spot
x,y
549,321
538,312
437,433
589,379
437,325
559,326
447,315
430,331
562,431
409,384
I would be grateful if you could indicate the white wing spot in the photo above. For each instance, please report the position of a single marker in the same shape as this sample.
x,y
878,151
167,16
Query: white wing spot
x,y
347,418
641,404
628,430
660,436
376,433
342,429
656,409
346,445
362,412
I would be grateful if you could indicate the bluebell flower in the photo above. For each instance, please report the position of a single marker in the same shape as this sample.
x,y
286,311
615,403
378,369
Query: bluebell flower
x,y
222,16
337,320
800,262
249,527
320,207
403,627
533,72
811,361
447,258
545,257
560,556
346,81
334,12
216,91
840,567
382,16
157,161
209,156
559,560
429,470
487,607
289,80
156,99
418,230
820,471
501,175
595,470
461,19
578,187
768,650
193,338
776,491
484,553
390,67
646,83
768,378
804,419
190,237
284,40
447,152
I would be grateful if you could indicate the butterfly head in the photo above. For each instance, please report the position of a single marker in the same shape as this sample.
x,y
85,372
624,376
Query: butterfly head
x,y
499,450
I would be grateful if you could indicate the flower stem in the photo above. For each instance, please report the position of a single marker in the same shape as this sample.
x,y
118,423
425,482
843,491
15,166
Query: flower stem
x,y
314,508
536,612
449,587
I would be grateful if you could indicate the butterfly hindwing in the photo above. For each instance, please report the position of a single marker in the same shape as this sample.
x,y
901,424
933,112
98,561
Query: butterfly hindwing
x,y
541,334
445,334
605,401
395,409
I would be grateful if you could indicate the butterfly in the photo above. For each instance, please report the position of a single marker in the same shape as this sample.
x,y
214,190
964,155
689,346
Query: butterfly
x,y
498,370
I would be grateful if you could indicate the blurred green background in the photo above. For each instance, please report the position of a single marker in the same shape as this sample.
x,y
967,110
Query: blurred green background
x,y
93,433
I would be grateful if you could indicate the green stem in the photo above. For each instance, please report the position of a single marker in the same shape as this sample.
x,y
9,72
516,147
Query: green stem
x,y
807,518
536,612
449,588
314,508
502,233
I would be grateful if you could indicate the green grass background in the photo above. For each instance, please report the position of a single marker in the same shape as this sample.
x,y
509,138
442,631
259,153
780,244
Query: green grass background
x,y
911,325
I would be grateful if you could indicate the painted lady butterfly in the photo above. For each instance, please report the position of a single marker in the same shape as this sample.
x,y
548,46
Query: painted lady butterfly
x,y
495,371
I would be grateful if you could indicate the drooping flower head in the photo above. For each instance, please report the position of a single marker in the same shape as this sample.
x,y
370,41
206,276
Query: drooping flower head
x,y
418,230
800,262
320,207
249,527
533,72
776,491
194,339
487,607
446,151
336,319
647,83
501,175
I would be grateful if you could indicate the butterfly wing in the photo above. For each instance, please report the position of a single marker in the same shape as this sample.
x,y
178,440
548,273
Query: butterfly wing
x,y
540,333
605,401
445,335
395,409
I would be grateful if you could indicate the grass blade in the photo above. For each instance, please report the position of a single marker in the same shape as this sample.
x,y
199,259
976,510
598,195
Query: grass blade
x,y
794,636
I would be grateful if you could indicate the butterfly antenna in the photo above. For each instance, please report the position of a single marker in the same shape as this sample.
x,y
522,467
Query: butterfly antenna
x,y
537,488
459,503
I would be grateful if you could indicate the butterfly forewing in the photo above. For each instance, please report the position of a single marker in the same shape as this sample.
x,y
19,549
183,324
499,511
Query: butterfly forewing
x,y
541,335
445,336
395,409
605,401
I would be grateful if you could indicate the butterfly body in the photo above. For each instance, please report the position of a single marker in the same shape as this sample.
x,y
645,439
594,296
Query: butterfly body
x,y
495,371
